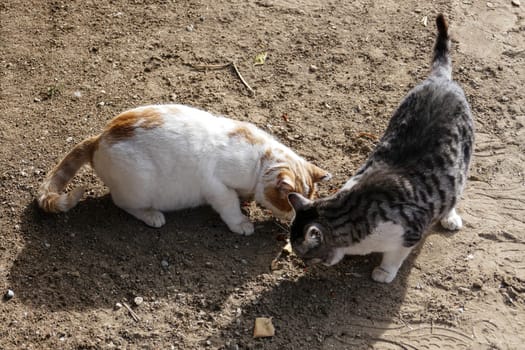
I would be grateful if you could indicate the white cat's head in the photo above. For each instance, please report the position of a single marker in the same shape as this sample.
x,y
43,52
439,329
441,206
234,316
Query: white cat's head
x,y
283,178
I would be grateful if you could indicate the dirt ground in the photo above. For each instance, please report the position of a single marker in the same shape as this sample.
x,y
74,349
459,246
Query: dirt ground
x,y
334,73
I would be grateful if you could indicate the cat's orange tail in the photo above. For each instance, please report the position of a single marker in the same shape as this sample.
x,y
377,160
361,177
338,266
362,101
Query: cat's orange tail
x,y
50,198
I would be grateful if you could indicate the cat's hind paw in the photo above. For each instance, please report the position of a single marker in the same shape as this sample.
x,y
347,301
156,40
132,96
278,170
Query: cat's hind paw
x,y
245,227
452,221
383,276
150,217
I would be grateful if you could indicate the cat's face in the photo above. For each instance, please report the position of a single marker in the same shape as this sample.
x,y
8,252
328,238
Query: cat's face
x,y
283,179
309,236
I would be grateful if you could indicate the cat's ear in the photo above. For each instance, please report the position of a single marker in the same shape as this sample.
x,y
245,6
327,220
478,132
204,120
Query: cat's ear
x,y
313,236
297,201
285,185
317,174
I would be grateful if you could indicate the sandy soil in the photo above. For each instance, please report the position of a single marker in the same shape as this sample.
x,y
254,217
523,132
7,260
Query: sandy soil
x,y
66,67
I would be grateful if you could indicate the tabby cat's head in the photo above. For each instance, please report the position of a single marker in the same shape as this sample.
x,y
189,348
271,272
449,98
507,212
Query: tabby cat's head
x,y
310,236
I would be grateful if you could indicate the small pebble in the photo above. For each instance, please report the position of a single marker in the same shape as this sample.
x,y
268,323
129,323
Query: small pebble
x,y
190,28
244,262
69,139
9,294
516,3
118,306
37,99
313,68
77,94
138,300
164,263
101,104
208,264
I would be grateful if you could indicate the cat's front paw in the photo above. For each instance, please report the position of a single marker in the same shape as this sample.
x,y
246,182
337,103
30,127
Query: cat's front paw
x,y
154,218
383,276
245,227
452,221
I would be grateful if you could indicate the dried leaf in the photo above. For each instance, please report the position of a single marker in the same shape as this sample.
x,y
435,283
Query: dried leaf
x,y
263,327
260,59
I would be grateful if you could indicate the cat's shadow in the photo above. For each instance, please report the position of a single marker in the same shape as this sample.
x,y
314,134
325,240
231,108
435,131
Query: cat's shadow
x,y
97,255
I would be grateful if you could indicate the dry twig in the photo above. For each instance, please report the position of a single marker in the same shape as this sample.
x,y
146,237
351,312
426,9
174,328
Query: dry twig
x,y
135,317
205,67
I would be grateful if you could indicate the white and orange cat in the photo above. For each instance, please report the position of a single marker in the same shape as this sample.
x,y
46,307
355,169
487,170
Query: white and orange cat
x,y
167,157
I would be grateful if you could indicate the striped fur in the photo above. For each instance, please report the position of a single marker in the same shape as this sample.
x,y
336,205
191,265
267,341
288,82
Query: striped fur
x,y
412,179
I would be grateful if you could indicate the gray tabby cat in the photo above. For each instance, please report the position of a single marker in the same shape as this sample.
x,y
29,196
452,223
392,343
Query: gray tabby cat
x,y
413,178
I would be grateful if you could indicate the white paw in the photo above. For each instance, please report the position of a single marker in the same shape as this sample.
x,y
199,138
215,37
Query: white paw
x,y
153,218
381,275
452,221
245,227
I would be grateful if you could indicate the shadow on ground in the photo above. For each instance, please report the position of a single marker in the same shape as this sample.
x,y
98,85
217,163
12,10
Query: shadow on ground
x,y
96,255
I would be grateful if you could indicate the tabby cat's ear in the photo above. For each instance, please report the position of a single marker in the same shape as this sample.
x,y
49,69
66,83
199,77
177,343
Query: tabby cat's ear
x,y
317,174
297,201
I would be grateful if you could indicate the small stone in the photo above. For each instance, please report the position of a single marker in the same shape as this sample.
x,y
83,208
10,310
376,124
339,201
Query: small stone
x,y
118,306
202,18
164,263
232,346
37,99
173,97
23,173
69,139
190,28
208,343
313,68
244,262
516,3
208,264
77,94
477,284
138,300
490,5
101,104
9,294
47,245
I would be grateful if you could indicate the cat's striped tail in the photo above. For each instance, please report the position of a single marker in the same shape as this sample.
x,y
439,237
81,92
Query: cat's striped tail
x,y
441,65
50,198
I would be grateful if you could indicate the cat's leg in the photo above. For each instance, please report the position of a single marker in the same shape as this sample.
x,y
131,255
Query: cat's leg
x,y
150,217
452,221
226,202
351,182
392,260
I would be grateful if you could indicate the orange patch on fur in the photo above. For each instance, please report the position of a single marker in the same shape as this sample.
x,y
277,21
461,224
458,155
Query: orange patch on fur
x,y
274,196
124,125
277,193
244,132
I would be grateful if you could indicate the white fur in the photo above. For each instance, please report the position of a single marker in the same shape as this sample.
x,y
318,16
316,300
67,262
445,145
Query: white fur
x,y
189,161
386,238
452,221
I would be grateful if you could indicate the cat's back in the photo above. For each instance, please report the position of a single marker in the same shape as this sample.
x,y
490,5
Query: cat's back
x,y
433,118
